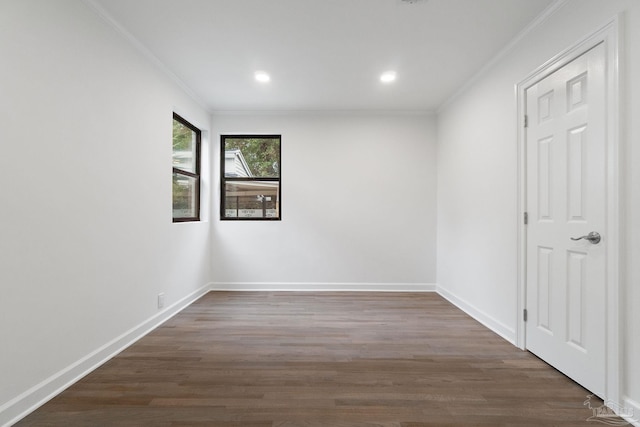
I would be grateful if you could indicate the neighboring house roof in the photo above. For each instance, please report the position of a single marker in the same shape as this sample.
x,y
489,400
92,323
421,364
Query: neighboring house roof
x,y
235,165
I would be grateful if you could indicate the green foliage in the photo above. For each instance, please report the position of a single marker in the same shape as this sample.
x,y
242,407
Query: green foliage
x,y
184,146
182,137
261,154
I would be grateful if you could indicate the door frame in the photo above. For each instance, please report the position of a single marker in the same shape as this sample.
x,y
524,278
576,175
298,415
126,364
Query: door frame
x,y
609,36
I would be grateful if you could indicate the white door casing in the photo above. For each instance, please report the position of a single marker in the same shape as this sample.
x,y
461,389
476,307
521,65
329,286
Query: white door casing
x,y
569,187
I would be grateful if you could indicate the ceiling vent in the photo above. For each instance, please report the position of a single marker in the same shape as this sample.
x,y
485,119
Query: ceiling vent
x,y
407,2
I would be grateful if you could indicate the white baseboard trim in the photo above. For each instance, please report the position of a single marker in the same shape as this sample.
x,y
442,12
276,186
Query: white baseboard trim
x,y
630,411
27,402
496,326
322,287
17,408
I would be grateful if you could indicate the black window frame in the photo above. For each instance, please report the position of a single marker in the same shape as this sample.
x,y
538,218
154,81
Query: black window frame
x,y
196,175
224,179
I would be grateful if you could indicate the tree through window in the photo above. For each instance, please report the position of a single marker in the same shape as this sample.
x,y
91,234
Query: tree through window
x,y
186,170
250,177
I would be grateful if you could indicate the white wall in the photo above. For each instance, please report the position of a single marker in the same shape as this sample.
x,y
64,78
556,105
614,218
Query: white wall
x,y
86,238
477,176
358,205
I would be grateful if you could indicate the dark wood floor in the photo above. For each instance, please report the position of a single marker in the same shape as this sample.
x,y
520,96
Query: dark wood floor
x,y
320,359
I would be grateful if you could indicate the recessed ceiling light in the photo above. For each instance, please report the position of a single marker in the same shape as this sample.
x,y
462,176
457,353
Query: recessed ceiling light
x,y
388,76
262,77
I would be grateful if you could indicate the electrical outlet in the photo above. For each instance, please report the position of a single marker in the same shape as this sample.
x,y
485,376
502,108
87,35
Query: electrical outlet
x,y
161,300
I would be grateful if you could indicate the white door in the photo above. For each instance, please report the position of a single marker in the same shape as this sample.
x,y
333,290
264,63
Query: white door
x,y
566,199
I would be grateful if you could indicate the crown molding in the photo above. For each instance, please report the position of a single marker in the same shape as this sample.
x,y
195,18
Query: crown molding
x,y
141,48
303,112
510,47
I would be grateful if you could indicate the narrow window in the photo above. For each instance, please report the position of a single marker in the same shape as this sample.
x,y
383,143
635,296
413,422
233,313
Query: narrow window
x,y
250,177
186,170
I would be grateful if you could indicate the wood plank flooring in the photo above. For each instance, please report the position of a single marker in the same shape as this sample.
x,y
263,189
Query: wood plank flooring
x,y
320,359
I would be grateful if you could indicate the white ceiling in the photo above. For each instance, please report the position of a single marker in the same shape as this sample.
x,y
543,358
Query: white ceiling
x,y
322,54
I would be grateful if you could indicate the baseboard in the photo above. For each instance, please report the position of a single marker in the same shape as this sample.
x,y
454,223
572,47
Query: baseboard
x,y
17,408
496,326
27,402
630,411
322,287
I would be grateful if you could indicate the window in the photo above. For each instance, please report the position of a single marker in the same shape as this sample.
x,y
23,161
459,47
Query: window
x,y
250,177
186,170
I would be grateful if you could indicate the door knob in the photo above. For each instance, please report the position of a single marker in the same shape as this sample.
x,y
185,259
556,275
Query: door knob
x,y
593,237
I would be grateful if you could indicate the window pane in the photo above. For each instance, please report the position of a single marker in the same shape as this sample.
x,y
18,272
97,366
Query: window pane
x,y
252,157
184,147
185,191
251,199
